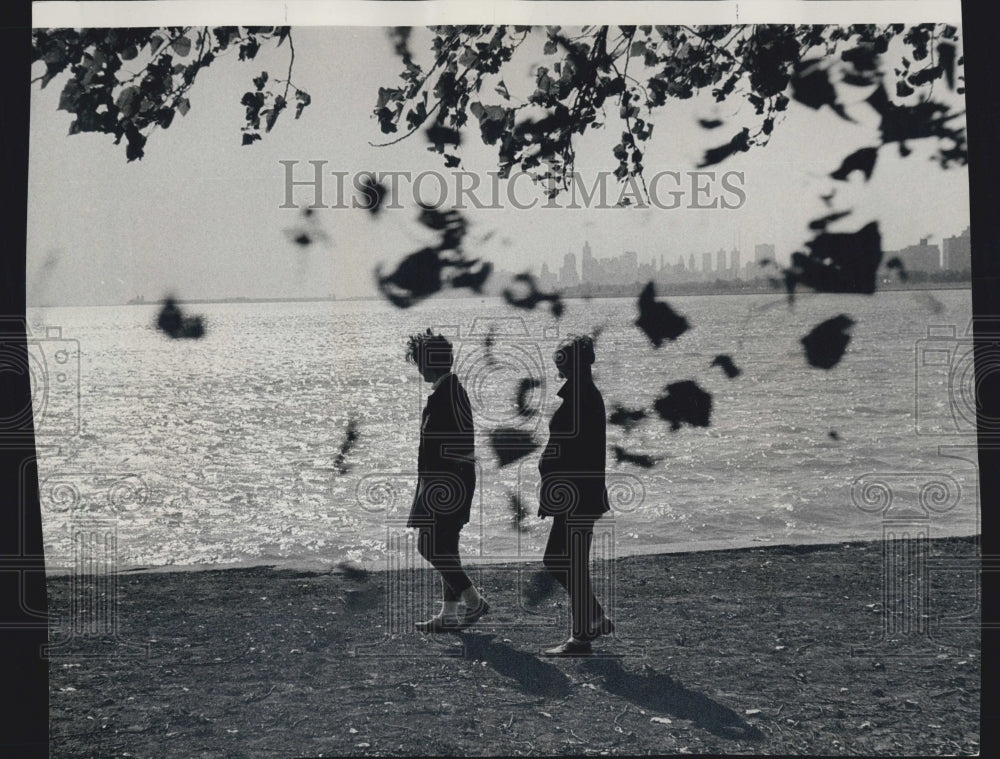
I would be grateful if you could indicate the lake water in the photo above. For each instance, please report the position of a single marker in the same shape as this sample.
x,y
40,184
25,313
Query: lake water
x,y
222,450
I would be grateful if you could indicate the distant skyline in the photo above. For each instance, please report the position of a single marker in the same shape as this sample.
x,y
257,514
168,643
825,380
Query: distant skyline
x,y
200,215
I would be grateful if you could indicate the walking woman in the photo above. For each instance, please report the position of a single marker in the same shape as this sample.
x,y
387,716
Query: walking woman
x,y
573,491
446,479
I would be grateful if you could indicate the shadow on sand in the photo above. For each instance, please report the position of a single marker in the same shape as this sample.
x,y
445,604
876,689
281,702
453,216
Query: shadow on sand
x,y
661,693
532,676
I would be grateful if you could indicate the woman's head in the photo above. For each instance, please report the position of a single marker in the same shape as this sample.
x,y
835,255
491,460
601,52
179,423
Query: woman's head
x,y
575,355
431,353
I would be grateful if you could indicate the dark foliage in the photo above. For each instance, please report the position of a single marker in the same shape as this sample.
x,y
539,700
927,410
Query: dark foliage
x,y
838,262
862,160
626,418
820,224
172,322
684,403
350,438
726,364
371,194
897,264
533,297
430,269
639,459
510,444
811,86
103,98
657,319
826,343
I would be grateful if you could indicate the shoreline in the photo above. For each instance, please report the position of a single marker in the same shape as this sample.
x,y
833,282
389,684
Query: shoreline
x,y
502,562
664,292
779,650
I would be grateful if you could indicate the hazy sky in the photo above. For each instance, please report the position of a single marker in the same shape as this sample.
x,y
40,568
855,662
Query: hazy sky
x,y
199,216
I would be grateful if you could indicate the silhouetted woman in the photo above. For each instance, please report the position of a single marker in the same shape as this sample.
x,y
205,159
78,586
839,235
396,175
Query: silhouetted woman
x,y
573,491
446,480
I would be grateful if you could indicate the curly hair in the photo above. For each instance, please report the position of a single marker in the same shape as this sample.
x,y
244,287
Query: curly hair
x,y
429,350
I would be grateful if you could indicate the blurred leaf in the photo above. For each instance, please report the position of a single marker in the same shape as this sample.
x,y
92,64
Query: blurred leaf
x,y
727,365
658,320
639,459
684,403
510,444
862,160
626,418
826,343
181,46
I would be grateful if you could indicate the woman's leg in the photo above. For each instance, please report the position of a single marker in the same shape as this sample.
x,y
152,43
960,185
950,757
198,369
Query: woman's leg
x,y
586,608
439,545
556,556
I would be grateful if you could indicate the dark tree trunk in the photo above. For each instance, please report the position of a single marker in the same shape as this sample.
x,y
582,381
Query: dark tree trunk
x,y
24,730
984,168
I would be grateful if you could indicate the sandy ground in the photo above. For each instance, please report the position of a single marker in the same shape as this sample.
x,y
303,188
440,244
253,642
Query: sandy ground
x,y
760,651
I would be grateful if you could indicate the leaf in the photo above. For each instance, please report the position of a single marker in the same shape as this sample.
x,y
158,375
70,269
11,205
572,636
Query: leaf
x,y
657,320
860,160
154,43
639,459
510,444
250,137
183,105
416,277
533,297
811,86
304,99
70,97
826,343
172,322
439,136
684,403
946,60
626,418
739,144
128,101
181,46
350,438
818,225
896,263
129,53
839,262
726,364
372,194
709,123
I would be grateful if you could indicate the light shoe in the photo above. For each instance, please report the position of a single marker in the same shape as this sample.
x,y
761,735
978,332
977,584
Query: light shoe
x,y
437,624
570,648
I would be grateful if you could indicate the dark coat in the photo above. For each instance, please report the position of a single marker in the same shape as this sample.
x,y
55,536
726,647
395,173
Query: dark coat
x,y
446,460
572,464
